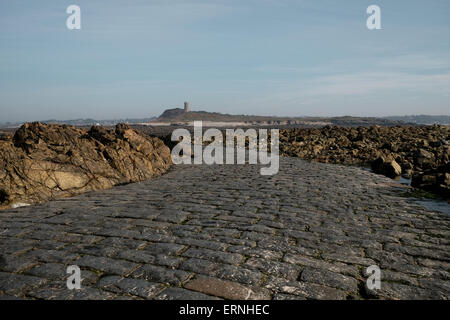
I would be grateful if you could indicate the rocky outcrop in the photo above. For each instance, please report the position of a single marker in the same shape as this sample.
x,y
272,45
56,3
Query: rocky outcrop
x,y
386,166
420,152
434,180
41,162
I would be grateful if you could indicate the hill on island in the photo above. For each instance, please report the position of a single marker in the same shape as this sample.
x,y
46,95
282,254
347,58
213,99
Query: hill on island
x,y
178,115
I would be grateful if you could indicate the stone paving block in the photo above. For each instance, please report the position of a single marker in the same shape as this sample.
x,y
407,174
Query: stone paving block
x,y
13,232
321,264
258,228
227,289
120,267
277,244
54,271
222,271
217,232
56,256
331,279
437,285
212,255
59,291
161,275
17,284
283,296
256,252
50,245
304,289
418,252
393,276
203,222
9,263
166,248
236,242
122,243
14,246
280,269
136,287
183,294
119,233
392,290
435,264
172,217
75,237
9,297
141,256
348,258
100,250
419,270
302,235
246,220
208,244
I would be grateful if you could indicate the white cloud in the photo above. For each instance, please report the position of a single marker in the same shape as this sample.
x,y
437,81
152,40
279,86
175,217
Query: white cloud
x,y
421,62
326,95
371,83
421,74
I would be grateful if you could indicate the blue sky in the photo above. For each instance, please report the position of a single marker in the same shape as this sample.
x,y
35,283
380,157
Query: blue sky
x,y
135,58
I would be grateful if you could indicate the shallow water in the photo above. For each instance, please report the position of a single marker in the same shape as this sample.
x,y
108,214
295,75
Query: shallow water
x,y
436,205
404,181
439,205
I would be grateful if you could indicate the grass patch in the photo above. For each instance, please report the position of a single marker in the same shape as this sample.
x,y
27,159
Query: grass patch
x,y
419,194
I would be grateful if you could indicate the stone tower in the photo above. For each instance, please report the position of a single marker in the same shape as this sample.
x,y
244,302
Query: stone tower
x,y
186,107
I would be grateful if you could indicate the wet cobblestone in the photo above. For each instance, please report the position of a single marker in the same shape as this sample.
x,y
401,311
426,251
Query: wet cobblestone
x,y
226,232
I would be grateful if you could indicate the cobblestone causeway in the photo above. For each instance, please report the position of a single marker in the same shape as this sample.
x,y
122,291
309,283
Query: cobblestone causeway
x,y
226,232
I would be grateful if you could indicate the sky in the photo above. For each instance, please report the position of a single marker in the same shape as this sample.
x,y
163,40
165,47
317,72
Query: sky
x,y
135,58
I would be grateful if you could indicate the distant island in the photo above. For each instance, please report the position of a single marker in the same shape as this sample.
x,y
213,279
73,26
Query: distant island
x,y
180,116
186,116
422,119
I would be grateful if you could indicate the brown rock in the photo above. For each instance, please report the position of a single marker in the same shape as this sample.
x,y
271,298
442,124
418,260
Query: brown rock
x,y
434,180
415,148
43,161
386,166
